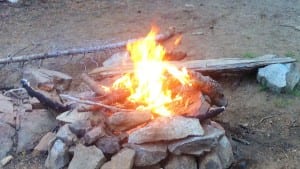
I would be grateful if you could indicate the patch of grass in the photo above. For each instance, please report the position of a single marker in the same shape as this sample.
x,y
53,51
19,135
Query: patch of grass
x,y
263,87
249,55
290,54
295,92
282,102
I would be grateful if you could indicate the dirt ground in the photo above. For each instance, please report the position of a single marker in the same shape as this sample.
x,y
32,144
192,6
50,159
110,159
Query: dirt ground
x,y
211,29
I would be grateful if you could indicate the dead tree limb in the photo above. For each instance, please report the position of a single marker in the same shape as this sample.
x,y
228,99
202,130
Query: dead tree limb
x,y
82,50
222,65
93,85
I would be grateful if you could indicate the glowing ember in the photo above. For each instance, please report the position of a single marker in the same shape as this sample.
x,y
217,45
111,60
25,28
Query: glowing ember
x,y
148,84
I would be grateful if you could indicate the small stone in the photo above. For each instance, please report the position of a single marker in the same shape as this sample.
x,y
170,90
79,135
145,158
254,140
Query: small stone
x,y
197,145
87,158
73,116
93,135
117,59
224,150
58,156
166,128
211,161
65,134
109,145
123,160
279,77
33,125
42,147
148,154
6,140
181,162
157,166
6,160
127,120
47,79
79,128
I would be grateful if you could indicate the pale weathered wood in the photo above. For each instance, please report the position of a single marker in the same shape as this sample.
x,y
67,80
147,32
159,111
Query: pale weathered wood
x,y
222,65
80,50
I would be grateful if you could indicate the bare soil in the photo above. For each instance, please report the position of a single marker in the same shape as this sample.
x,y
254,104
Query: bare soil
x,y
266,125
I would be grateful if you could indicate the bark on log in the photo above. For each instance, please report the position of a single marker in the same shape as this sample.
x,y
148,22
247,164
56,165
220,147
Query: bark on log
x,y
223,65
81,50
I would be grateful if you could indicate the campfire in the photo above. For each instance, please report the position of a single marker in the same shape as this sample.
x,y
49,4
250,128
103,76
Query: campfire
x,y
155,115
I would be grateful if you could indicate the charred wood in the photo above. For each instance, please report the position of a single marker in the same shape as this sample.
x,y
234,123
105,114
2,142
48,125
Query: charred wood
x,y
45,101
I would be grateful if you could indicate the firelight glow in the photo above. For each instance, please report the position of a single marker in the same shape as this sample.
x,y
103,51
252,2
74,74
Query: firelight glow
x,y
148,84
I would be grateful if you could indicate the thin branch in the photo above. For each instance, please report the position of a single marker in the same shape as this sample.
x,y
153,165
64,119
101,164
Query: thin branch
x,y
88,102
72,51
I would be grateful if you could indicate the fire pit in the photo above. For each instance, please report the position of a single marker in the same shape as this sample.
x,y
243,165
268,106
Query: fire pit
x,y
157,115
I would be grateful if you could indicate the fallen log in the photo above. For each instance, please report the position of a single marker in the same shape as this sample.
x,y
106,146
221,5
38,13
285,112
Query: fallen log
x,y
223,65
81,50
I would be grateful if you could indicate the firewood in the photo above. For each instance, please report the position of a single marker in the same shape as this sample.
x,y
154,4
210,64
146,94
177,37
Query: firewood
x,y
212,112
81,50
88,102
93,85
209,87
211,66
45,101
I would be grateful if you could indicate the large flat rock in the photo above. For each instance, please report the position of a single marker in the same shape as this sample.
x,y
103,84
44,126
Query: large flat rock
x,y
87,158
166,128
6,138
58,156
123,160
148,154
33,125
197,145
181,162
128,120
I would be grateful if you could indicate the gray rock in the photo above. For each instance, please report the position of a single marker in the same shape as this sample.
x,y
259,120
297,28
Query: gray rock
x,y
42,147
65,134
6,106
148,154
27,107
166,128
123,160
157,166
6,138
109,145
197,145
58,156
211,161
79,128
181,162
73,116
47,79
33,126
224,150
5,160
117,59
279,77
87,158
127,120
93,135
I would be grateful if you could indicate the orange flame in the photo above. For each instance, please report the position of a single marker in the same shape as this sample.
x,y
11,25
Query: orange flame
x,y
147,84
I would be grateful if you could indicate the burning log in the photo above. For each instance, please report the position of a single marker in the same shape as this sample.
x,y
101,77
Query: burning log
x,y
82,50
45,101
93,85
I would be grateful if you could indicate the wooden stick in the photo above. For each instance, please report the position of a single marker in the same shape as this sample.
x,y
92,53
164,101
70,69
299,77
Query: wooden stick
x,y
88,102
93,85
223,65
82,50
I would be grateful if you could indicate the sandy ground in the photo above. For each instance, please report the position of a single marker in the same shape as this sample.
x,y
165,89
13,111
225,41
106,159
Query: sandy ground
x,y
232,28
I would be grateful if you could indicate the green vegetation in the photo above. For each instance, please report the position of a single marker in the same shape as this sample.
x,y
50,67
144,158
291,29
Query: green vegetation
x,y
290,54
263,87
249,55
295,92
281,102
